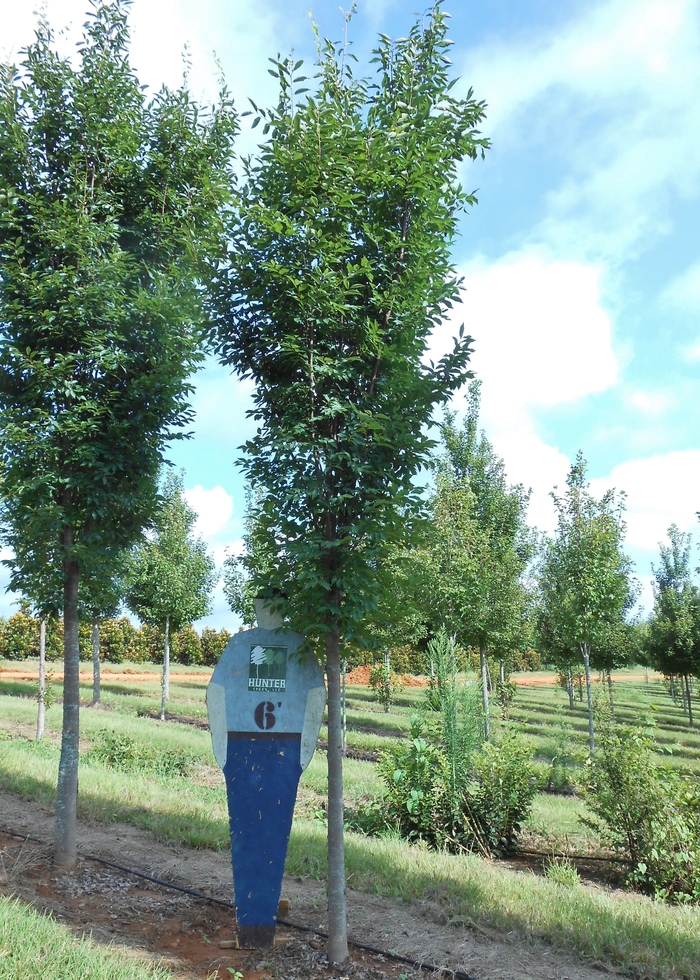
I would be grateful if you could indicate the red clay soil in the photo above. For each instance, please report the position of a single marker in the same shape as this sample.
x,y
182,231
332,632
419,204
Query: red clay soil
x,y
125,676
360,676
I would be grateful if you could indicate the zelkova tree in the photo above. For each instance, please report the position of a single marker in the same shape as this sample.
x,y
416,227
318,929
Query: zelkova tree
x,y
107,201
478,546
339,270
585,582
171,576
674,629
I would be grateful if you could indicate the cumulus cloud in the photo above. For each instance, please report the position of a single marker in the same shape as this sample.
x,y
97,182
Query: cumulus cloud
x,y
661,490
542,339
614,94
683,292
213,508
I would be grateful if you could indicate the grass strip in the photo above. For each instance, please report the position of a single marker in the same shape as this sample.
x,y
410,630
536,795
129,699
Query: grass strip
x,y
629,932
33,945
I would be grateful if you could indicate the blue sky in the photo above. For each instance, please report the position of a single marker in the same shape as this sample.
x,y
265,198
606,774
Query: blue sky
x,y
581,262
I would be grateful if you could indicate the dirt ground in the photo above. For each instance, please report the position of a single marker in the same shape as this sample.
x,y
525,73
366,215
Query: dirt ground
x,y
186,933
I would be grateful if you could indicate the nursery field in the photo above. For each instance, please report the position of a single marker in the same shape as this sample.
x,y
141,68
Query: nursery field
x,y
160,779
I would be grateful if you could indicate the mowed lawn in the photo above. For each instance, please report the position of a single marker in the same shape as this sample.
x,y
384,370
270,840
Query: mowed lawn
x,y
628,932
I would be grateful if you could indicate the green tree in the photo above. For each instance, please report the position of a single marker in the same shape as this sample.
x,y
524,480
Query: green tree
x,y
171,577
340,268
674,629
585,582
107,202
479,546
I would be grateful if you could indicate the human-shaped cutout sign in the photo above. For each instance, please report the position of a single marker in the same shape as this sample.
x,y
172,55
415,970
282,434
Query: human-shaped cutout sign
x,y
265,703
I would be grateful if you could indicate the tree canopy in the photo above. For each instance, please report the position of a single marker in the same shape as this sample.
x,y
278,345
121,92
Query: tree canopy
x,y
108,200
340,268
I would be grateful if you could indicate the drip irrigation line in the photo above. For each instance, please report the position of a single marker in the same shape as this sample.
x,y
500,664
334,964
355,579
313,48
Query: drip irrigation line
x,y
388,954
572,857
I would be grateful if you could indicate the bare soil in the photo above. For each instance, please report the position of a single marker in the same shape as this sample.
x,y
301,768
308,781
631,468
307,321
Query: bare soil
x,y
184,933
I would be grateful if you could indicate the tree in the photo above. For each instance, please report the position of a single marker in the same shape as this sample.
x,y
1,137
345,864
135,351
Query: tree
x,y
99,600
585,578
171,577
339,269
478,546
107,202
674,630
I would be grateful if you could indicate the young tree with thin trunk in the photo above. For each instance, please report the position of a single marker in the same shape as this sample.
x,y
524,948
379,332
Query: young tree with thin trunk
x,y
585,582
170,576
478,547
674,628
339,270
107,201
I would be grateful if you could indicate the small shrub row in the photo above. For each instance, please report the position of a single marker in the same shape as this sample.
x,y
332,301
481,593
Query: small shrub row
x,y
120,751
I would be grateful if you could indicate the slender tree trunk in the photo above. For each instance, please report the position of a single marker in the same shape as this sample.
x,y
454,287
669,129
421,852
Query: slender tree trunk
x,y
165,684
485,689
610,693
690,706
672,688
570,686
387,680
95,662
337,915
579,681
66,851
41,705
344,707
586,654
502,672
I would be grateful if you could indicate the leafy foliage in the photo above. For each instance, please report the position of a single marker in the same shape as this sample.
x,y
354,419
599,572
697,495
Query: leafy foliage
x,y
171,575
650,813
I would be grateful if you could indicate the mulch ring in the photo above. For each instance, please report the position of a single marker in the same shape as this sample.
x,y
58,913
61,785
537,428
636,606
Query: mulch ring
x,y
191,936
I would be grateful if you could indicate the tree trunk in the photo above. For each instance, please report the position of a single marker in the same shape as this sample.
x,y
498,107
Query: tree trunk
x,y
610,693
672,689
502,672
344,710
579,681
485,689
690,707
41,705
165,683
66,850
570,686
337,916
387,680
586,654
95,662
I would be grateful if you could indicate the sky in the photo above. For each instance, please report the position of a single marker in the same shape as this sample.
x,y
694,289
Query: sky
x,y
580,263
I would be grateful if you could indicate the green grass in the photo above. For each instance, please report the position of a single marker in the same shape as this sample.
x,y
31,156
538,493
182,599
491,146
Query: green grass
x,y
628,932
33,945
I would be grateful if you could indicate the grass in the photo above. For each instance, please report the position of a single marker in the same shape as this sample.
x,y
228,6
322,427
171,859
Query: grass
x,y
629,932
634,934
33,945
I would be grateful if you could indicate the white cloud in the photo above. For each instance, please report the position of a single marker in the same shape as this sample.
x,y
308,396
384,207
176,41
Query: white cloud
x,y
683,292
615,95
651,404
661,490
213,507
542,339
691,353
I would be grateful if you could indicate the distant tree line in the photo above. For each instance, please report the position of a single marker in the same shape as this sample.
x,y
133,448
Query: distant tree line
x,y
120,641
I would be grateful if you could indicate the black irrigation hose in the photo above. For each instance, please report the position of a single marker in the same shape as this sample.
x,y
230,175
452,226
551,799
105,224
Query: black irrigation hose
x,y
426,967
572,857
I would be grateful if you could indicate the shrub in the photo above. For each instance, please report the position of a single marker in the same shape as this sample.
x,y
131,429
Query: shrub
x,y
21,636
503,788
385,684
213,644
186,647
120,751
648,812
